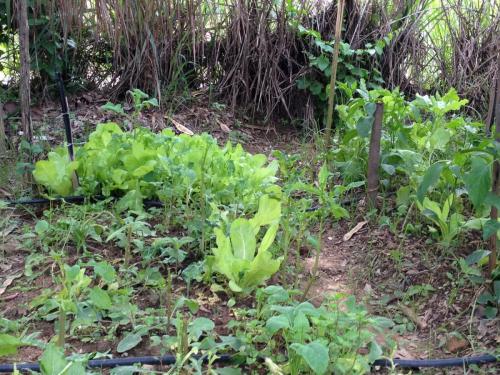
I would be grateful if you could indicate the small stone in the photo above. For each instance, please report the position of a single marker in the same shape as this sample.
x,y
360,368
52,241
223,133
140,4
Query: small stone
x,y
455,344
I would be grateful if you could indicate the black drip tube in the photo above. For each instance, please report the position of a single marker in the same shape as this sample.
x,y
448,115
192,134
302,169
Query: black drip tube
x,y
115,362
72,199
78,199
170,360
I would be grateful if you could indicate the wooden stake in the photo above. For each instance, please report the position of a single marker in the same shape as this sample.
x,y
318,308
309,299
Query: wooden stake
x,y
495,188
333,77
374,156
3,137
24,53
491,109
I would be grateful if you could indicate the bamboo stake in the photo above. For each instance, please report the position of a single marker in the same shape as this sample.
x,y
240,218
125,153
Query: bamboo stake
x,y
3,136
495,183
333,77
24,87
374,156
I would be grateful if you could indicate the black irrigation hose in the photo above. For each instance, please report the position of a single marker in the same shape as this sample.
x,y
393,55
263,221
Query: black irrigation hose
x,y
72,199
444,362
116,362
170,360
81,199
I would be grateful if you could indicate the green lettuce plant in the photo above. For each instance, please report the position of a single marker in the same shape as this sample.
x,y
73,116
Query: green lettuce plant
x,y
237,256
179,170
55,173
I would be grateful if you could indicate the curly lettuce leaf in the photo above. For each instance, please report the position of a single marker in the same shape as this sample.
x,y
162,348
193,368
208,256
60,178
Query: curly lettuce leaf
x,y
56,172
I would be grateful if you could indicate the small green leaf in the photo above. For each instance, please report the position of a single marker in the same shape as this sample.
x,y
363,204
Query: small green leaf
x,y
106,271
375,352
364,126
490,312
131,340
490,228
478,180
52,361
9,344
41,227
116,108
243,239
323,176
100,298
476,257
275,323
431,177
200,325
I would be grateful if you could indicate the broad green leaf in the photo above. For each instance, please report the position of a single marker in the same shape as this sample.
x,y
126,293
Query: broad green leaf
x,y
389,169
198,326
478,180
431,177
9,344
432,206
52,361
476,257
116,108
41,227
490,228
315,354
269,212
131,340
375,352
439,139
262,268
106,271
364,126
243,240
323,176
275,323
223,256
322,62
100,298
235,287
56,172
268,238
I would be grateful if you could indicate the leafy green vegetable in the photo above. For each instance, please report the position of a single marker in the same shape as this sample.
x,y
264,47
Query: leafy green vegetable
x,y
55,173
235,257
141,165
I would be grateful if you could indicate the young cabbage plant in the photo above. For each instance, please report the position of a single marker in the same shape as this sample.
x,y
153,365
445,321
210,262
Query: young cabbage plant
x,y
237,256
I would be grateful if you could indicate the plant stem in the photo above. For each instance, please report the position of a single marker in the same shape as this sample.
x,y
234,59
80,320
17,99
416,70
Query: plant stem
x,y
314,271
129,245
62,327
333,77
